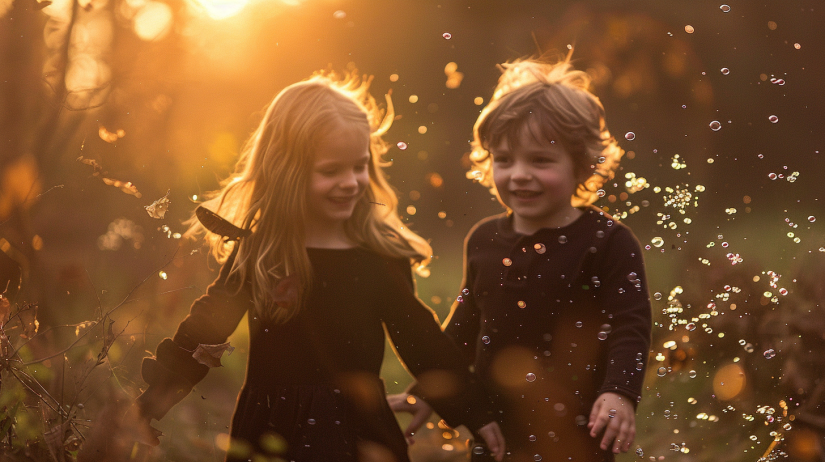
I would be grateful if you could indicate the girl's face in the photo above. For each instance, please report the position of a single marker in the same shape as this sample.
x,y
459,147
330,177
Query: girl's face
x,y
339,176
536,179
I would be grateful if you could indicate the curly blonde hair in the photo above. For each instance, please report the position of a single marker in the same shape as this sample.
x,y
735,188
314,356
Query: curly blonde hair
x,y
556,96
267,192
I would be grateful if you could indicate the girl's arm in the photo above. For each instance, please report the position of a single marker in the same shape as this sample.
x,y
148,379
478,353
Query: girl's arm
x,y
462,325
173,372
443,376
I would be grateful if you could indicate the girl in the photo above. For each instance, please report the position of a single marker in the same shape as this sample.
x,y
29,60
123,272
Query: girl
x,y
554,311
316,254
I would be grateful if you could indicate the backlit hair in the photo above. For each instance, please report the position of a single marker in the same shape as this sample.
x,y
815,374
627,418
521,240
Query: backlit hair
x,y
555,96
267,191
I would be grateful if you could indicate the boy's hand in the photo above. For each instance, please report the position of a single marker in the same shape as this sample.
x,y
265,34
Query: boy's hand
x,y
616,415
494,438
420,410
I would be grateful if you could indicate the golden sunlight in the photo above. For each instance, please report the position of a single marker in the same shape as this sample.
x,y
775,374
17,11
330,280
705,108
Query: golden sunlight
x,y
153,21
221,9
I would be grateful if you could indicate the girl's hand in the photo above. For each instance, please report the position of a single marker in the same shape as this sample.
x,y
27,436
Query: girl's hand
x,y
494,439
137,426
420,410
616,415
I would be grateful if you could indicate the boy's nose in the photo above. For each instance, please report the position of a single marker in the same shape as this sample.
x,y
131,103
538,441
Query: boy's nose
x,y
521,172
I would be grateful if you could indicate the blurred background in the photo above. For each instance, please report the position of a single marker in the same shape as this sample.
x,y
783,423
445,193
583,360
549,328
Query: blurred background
x,y
109,105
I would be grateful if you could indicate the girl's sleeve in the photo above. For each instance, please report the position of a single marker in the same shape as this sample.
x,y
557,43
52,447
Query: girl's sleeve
x,y
624,294
443,375
463,325
173,372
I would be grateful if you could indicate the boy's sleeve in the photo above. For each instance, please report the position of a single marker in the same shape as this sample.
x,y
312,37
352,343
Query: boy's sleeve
x,y
624,294
173,372
443,376
463,325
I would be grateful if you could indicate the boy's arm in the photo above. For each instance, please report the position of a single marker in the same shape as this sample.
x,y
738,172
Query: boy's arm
x,y
173,372
624,294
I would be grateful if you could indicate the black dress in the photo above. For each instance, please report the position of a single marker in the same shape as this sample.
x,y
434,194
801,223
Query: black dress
x,y
551,320
312,390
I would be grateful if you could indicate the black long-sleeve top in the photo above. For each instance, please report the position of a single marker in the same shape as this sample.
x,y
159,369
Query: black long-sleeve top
x,y
314,380
550,321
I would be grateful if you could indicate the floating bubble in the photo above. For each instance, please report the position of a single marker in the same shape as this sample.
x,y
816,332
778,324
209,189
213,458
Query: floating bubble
x,y
311,421
715,125
630,136
465,291
797,46
340,14
401,145
689,29
540,248
690,326
657,241
532,437
459,299
531,377
606,328
725,71
661,372
772,176
602,335
783,291
725,8
447,35
778,81
769,353
162,275
485,340
537,457
812,218
562,239
774,119
692,374
640,452
478,450
521,304
657,295
507,262
579,324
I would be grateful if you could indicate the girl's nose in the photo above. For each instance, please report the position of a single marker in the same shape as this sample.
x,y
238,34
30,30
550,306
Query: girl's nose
x,y
349,181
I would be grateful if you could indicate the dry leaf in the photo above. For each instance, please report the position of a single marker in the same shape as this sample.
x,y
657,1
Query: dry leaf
x,y
210,355
98,169
5,310
110,137
28,317
126,187
159,207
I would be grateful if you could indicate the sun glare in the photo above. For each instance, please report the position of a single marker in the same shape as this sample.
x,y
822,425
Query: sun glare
x,y
153,21
221,9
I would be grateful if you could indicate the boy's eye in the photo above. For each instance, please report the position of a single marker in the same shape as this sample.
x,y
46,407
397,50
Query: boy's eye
x,y
500,159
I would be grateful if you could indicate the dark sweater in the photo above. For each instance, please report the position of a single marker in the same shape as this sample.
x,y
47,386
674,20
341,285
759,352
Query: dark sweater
x,y
315,380
550,321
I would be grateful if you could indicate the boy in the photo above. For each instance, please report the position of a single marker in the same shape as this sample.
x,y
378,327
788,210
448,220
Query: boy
x,y
554,311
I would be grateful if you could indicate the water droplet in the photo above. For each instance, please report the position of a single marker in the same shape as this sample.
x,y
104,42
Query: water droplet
x,y
521,304
692,374
725,8
772,175
812,218
562,239
690,326
640,365
640,452
447,35
459,299
715,125
401,145
579,324
311,421
787,426
632,277
532,437
537,457
778,82
485,340
657,295
507,262
725,71
774,119
769,353
531,377
595,281
783,291
662,371
600,193
540,248
657,241
478,450
630,136
602,335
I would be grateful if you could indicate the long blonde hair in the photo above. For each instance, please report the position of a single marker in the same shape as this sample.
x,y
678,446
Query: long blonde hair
x,y
557,96
267,192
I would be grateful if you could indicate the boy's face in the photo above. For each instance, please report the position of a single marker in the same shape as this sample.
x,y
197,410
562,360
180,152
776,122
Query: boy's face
x,y
536,179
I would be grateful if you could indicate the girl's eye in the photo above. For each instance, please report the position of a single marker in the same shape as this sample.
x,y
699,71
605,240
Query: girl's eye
x,y
360,168
329,172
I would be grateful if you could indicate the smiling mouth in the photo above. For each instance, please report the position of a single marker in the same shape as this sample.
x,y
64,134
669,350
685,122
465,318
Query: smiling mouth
x,y
342,200
523,194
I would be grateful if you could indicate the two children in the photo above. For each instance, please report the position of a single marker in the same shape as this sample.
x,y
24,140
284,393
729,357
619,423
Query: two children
x,y
554,310
320,262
